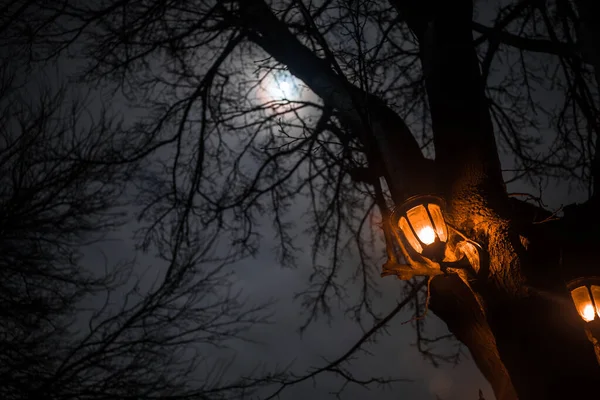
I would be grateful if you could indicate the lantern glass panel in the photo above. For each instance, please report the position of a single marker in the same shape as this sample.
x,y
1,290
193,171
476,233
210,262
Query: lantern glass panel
x,y
438,221
583,303
412,240
421,223
596,296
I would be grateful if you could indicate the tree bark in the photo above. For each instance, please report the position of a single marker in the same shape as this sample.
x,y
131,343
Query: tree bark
x,y
453,302
538,335
589,35
589,38
516,319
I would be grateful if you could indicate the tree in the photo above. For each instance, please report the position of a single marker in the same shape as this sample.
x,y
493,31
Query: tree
x,y
395,81
68,330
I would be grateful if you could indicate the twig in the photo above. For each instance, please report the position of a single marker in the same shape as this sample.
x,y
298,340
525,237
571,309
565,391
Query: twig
x,y
553,217
333,366
422,316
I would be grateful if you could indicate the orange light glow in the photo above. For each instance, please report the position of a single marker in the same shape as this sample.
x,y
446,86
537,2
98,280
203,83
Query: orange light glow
x,y
588,313
583,303
438,221
421,222
595,289
412,240
426,235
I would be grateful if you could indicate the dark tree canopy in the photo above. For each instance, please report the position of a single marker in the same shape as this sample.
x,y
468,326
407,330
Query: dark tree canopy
x,y
345,108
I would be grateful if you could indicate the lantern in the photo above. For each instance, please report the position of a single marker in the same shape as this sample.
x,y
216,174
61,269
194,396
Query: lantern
x,y
420,222
585,293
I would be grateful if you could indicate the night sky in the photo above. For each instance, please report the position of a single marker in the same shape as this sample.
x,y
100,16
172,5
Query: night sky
x,y
261,278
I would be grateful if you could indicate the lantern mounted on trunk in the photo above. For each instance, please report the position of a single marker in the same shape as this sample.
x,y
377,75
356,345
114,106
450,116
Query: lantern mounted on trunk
x,y
585,293
420,223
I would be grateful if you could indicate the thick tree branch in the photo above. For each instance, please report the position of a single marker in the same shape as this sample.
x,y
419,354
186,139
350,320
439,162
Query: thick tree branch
x,y
523,43
463,133
452,301
365,113
589,11
498,34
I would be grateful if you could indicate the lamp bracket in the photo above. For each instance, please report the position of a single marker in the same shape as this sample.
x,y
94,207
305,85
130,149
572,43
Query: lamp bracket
x,y
406,272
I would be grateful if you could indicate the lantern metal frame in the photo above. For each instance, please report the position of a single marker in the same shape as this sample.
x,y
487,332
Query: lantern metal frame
x,y
587,282
433,251
592,326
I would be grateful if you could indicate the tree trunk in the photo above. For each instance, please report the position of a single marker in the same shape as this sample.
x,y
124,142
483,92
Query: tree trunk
x,y
453,302
524,306
516,318
589,34
589,41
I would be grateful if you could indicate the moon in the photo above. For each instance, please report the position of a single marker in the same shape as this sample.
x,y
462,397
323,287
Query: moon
x,y
281,90
284,86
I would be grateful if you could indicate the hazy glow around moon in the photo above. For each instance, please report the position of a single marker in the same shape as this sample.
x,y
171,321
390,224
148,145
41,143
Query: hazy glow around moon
x,y
282,86
281,92
286,88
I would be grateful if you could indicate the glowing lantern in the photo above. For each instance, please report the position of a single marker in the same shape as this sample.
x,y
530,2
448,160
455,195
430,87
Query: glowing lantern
x,y
585,293
420,222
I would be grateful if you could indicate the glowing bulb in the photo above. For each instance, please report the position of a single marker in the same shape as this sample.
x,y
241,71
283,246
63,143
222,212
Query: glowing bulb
x,y
588,313
426,235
